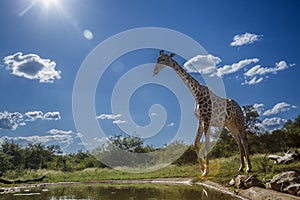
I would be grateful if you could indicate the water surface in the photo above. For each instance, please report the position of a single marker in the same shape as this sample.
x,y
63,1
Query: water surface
x,y
117,192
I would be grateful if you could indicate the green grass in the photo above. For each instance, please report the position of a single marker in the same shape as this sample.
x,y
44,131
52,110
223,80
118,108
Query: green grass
x,y
261,166
222,171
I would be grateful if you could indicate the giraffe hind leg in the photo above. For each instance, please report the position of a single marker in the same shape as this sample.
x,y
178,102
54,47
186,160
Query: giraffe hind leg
x,y
244,143
235,133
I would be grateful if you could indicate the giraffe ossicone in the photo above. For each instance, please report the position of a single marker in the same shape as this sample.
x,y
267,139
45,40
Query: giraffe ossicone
x,y
210,110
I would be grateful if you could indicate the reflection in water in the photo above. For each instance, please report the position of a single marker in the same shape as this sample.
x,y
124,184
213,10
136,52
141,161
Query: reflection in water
x,y
117,192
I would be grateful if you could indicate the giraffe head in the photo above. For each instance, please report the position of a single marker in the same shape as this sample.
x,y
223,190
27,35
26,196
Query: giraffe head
x,y
163,61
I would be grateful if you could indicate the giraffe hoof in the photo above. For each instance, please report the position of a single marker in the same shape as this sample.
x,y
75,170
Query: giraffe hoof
x,y
241,169
205,173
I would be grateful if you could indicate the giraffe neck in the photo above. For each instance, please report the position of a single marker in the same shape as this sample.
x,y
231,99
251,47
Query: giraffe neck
x,y
193,85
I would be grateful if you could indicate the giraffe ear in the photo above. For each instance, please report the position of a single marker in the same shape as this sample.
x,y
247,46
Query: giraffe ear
x,y
161,52
172,55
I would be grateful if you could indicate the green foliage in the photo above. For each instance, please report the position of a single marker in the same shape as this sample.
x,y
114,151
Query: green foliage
x,y
251,119
265,165
130,151
189,157
36,156
225,146
132,144
14,153
5,163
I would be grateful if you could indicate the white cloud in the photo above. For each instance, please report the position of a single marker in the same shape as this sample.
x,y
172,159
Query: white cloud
x,y
261,72
102,140
52,116
79,135
119,121
252,71
246,38
253,81
114,117
31,66
109,116
34,115
153,114
61,139
59,132
279,107
258,107
10,121
228,69
207,64
203,64
22,124
171,124
273,123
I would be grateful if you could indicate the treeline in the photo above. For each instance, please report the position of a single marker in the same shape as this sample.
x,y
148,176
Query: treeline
x,y
36,156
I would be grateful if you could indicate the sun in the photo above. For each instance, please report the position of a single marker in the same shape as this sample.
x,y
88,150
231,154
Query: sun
x,y
48,3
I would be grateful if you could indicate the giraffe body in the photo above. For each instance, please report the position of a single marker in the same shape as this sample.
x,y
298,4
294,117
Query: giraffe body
x,y
211,110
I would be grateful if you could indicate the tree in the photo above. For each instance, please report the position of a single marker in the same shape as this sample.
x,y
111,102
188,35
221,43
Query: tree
x,y
5,163
292,130
251,119
133,144
14,153
226,145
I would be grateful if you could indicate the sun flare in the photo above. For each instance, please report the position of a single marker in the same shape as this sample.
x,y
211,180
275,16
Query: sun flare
x,y
48,3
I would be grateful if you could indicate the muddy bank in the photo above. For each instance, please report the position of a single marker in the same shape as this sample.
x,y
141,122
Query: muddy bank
x,y
263,194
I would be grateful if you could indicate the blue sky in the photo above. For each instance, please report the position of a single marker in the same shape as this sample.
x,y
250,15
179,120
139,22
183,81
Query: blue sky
x,y
253,46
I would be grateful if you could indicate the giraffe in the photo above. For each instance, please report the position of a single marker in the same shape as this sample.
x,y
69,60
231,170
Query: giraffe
x,y
210,110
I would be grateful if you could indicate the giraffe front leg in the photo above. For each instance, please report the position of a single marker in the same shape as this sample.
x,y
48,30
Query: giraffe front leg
x,y
201,165
207,149
197,149
198,146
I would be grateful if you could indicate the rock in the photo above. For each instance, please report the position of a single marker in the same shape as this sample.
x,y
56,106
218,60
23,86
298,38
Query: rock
x,y
232,182
252,181
240,180
274,157
287,158
263,194
283,180
293,189
244,181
